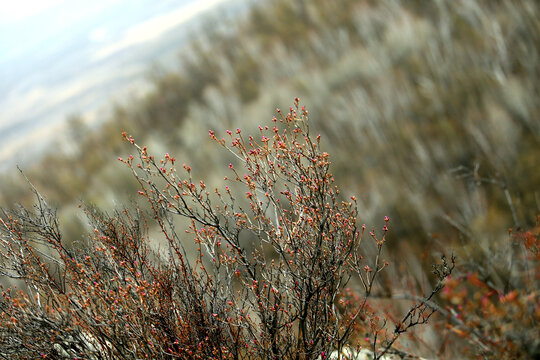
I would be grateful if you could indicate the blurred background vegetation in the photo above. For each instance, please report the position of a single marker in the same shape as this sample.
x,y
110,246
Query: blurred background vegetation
x,y
429,110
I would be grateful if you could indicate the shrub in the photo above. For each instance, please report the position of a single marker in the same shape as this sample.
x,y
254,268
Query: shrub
x,y
267,281
499,319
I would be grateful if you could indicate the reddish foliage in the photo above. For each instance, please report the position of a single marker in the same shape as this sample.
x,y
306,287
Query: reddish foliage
x,y
268,279
499,323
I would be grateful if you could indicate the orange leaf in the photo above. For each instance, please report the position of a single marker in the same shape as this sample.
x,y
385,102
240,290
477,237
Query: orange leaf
x,y
473,279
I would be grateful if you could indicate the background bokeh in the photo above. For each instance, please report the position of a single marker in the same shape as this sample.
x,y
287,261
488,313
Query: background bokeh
x,y
417,103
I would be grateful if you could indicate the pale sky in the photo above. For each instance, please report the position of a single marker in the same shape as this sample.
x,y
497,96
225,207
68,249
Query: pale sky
x,y
153,28
16,10
59,57
26,24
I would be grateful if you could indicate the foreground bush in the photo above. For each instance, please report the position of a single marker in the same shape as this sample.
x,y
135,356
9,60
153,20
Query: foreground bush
x,y
271,267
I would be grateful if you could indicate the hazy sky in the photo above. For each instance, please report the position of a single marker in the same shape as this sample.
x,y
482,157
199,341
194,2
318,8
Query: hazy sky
x,y
13,11
25,25
68,56
28,25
